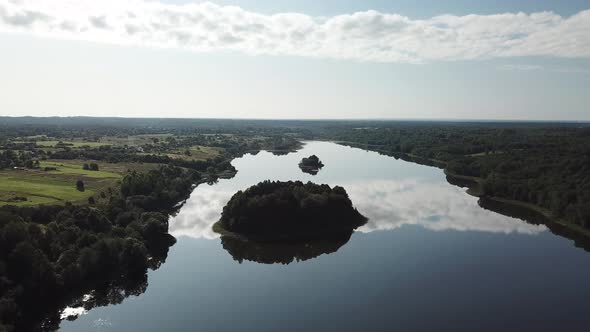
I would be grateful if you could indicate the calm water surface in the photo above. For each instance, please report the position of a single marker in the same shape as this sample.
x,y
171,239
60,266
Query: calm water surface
x,y
429,259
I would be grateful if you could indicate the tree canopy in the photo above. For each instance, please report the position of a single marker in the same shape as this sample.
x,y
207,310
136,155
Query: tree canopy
x,y
311,164
277,211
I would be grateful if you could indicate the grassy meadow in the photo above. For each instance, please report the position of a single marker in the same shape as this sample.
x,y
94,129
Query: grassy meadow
x,y
37,186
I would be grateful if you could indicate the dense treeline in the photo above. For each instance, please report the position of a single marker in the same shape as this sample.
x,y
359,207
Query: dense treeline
x,y
93,128
546,167
24,159
276,211
49,251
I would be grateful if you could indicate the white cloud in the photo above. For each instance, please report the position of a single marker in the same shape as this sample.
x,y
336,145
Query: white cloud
x,y
365,36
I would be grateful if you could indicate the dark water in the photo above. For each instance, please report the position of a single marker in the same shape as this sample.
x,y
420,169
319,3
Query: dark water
x,y
429,259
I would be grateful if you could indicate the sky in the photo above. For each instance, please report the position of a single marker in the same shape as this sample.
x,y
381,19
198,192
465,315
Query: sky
x,y
304,59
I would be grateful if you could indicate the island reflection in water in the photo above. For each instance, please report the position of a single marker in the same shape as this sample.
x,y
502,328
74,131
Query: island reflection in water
x,y
280,253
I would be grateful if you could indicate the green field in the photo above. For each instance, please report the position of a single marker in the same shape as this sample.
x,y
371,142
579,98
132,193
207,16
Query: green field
x,y
118,169
38,189
59,186
76,168
55,187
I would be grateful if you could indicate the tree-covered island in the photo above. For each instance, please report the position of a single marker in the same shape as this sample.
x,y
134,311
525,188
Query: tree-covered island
x,y
311,164
289,211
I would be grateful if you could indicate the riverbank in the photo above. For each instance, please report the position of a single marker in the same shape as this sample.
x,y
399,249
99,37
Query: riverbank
x,y
474,187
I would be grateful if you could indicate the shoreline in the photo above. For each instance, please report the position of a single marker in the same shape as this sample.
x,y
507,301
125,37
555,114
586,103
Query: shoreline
x,y
474,188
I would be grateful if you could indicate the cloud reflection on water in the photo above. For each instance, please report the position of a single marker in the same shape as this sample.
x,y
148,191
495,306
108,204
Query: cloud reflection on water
x,y
434,206
389,204
200,212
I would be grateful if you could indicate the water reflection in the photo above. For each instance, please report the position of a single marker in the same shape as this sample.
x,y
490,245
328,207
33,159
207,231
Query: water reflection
x,y
535,218
389,204
390,193
434,206
200,212
102,293
107,293
283,253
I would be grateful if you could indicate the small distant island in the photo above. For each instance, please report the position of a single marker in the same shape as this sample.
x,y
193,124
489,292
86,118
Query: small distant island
x,y
311,164
289,211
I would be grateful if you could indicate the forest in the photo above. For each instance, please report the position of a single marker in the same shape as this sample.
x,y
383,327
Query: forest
x,y
274,211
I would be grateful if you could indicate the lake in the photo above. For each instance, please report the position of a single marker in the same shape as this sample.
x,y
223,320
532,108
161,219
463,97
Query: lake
x,y
429,258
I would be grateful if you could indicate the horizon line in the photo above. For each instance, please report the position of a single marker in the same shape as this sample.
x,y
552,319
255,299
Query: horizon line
x,y
299,119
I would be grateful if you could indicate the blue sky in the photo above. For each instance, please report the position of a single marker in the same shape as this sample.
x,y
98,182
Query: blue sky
x,y
400,60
